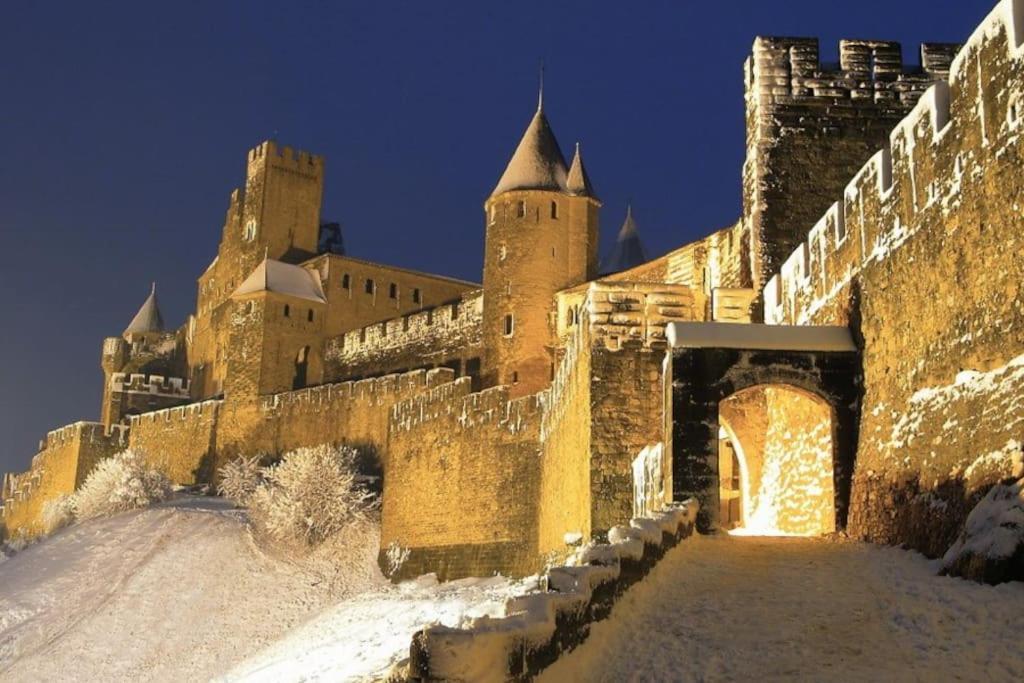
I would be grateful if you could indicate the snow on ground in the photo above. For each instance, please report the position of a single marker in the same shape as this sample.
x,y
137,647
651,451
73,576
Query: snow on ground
x,y
755,608
362,638
175,591
179,592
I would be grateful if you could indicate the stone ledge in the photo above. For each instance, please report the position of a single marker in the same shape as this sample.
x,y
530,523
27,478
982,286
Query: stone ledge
x,y
541,626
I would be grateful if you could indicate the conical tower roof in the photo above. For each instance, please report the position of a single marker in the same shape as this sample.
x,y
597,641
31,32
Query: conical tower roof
x,y
148,319
537,163
628,251
578,182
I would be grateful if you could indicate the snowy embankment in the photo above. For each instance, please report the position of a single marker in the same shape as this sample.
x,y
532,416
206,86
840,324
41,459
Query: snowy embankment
x,y
179,592
755,608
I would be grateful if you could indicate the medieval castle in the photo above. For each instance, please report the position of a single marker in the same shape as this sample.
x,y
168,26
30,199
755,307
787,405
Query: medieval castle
x,y
848,355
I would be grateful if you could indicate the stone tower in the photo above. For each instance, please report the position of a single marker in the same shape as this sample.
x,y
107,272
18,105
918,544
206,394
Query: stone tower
x,y
811,126
276,331
542,233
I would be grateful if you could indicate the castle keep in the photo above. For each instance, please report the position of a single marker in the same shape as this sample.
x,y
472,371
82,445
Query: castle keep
x,y
846,356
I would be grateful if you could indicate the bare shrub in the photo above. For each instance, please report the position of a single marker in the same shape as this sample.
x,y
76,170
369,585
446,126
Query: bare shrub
x,y
309,496
58,513
123,482
240,478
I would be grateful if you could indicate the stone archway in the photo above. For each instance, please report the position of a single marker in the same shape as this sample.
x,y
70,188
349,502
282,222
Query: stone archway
x,y
713,361
776,454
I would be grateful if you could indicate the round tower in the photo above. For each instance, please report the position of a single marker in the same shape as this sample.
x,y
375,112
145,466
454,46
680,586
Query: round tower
x,y
541,237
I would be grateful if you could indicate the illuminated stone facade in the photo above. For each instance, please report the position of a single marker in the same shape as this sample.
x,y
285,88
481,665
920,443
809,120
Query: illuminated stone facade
x,y
509,416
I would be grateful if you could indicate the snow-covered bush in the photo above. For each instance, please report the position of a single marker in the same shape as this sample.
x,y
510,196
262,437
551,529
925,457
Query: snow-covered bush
x,y
310,495
123,482
240,478
58,513
991,546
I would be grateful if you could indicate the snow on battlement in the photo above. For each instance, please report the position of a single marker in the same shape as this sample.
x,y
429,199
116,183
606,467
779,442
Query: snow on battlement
x,y
156,385
915,182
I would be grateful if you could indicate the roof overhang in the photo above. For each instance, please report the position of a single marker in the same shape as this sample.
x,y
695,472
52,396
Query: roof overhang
x,y
701,335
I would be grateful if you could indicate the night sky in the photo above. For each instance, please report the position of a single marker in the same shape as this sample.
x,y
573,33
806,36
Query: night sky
x,y
125,128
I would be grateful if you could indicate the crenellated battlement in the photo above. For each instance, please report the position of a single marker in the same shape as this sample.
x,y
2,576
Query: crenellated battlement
x,y
790,69
625,312
439,321
190,411
922,170
376,391
269,153
491,407
156,385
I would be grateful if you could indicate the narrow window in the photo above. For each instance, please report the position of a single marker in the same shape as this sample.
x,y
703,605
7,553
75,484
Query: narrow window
x,y
393,291
287,310
521,209
310,316
554,209
515,377
369,286
346,281
509,326
416,296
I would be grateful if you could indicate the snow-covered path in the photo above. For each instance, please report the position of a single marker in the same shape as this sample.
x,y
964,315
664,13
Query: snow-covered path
x,y
757,608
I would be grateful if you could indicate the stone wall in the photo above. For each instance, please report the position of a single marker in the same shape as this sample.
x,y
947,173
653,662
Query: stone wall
x,y
66,457
180,442
448,335
921,256
461,481
810,126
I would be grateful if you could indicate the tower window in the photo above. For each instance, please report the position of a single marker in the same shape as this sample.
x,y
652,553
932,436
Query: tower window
x,y
346,281
509,325
287,310
393,291
309,317
521,209
554,209
515,377
369,286
250,230
416,296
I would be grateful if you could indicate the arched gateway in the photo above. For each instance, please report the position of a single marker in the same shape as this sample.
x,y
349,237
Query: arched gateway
x,y
712,362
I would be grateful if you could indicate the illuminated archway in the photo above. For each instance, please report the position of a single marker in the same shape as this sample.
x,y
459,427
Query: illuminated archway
x,y
776,462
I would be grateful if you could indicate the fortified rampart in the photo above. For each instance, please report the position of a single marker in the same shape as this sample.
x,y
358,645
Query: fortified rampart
x,y
448,335
810,126
479,482
921,257
65,458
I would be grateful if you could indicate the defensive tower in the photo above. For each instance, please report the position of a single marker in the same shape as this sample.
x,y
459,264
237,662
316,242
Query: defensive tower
x,y
542,233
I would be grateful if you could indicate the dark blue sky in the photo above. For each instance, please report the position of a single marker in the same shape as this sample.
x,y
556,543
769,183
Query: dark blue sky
x,y
125,128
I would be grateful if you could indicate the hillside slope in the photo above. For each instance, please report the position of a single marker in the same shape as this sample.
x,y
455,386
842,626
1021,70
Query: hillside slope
x,y
179,592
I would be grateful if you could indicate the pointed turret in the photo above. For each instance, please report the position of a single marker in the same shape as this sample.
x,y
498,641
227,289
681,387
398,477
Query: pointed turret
x,y
628,251
578,182
537,163
148,319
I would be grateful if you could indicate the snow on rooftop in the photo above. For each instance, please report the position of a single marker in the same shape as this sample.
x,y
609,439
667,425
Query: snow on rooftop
x,y
282,278
696,335
537,163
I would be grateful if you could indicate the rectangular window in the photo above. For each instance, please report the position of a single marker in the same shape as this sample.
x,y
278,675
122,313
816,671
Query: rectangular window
x,y
346,281
310,316
509,325
393,291
287,310
521,209
369,286
416,296
554,209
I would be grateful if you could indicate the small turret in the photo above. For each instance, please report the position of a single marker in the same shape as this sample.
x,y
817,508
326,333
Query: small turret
x,y
578,182
537,163
628,251
148,319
